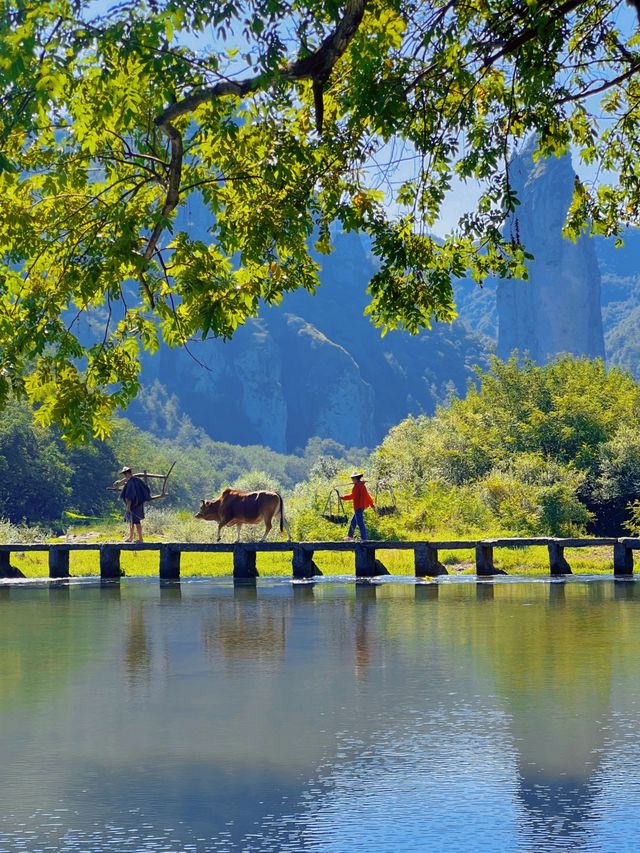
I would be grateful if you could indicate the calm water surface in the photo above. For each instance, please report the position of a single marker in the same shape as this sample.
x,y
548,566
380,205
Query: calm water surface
x,y
323,717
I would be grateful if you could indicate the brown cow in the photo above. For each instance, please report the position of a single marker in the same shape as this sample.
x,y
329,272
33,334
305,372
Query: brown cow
x,y
235,507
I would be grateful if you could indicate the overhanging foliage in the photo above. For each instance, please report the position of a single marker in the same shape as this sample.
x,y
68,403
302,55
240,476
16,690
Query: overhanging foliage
x,y
285,117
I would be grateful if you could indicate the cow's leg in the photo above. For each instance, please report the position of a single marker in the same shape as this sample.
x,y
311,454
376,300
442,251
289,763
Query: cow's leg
x,y
238,527
267,526
219,531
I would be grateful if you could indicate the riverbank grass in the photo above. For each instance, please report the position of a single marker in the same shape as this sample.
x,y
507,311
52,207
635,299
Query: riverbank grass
x,y
530,561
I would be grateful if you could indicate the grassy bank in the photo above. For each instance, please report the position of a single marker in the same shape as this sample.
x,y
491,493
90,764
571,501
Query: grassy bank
x,y
181,526
521,561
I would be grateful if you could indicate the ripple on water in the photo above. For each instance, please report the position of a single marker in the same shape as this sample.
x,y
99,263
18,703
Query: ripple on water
x,y
372,717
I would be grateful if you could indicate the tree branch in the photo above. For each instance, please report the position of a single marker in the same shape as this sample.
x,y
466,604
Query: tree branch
x,y
315,67
596,90
311,67
531,33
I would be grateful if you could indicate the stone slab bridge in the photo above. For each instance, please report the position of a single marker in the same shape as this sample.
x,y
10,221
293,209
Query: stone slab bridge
x,y
367,564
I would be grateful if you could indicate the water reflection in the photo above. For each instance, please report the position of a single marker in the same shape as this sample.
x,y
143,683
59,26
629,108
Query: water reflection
x,y
170,591
59,592
557,592
553,669
245,629
427,591
110,589
315,716
485,591
626,589
365,628
303,592
137,651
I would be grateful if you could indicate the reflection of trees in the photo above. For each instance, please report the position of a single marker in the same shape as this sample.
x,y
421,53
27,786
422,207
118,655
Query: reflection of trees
x,y
137,655
246,629
551,651
46,638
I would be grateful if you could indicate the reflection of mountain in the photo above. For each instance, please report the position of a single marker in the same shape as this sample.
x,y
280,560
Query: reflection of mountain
x,y
552,652
322,717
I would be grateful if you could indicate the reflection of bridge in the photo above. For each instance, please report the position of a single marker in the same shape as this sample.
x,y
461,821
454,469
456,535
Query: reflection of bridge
x,y
426,562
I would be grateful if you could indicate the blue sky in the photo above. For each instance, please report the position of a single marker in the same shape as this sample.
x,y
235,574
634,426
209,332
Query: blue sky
x,y
463,195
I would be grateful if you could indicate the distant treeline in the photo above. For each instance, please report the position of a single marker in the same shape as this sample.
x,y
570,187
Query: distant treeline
x,y
43,477
551,450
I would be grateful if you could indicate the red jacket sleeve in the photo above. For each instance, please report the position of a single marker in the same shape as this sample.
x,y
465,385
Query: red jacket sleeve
x,y
361,497
366,498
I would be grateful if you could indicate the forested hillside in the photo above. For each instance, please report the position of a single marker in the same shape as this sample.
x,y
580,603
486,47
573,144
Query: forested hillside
x,y
531,449
551,449
44,479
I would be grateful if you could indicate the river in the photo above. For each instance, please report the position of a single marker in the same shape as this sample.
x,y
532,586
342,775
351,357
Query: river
x,y
390,715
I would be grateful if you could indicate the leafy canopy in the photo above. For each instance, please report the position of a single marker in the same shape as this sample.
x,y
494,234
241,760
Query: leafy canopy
x,y
536,445
284,118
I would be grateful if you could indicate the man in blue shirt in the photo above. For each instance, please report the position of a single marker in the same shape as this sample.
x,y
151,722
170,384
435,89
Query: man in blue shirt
x,y
134,494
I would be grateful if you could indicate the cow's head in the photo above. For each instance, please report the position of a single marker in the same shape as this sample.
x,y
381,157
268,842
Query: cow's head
x,y
209,510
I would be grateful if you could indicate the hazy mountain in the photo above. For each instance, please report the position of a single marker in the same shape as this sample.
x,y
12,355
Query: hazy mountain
x,y
315,366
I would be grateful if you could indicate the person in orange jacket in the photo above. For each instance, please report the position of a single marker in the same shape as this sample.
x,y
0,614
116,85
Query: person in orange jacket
x,y
361,501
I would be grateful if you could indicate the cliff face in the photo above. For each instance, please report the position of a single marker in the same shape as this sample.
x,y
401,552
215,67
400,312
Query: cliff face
x,y
315,366
558,309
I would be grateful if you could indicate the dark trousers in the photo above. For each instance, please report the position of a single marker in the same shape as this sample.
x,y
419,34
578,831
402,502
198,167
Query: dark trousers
x,y
358,518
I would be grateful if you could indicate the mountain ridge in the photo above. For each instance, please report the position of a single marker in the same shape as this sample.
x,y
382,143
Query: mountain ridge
x,y
315,365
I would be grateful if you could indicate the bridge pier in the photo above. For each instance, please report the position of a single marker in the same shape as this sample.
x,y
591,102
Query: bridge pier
x,y
557,562
6,569
484,561
58,562
169,563
244,562
622,560
303,563
110,563
366,564
426,562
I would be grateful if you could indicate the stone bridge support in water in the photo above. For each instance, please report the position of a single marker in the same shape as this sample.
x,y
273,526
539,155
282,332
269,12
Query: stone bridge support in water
x,y
366,563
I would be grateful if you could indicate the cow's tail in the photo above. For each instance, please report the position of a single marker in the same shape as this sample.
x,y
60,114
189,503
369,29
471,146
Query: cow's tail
x,y
281,512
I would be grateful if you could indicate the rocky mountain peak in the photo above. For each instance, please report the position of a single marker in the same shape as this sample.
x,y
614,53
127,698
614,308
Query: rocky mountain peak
x,y
558,309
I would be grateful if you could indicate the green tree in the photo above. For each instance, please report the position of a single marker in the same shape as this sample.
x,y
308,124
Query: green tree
x,y
92,465
536,444
254,481
110,122
34,475
617,475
